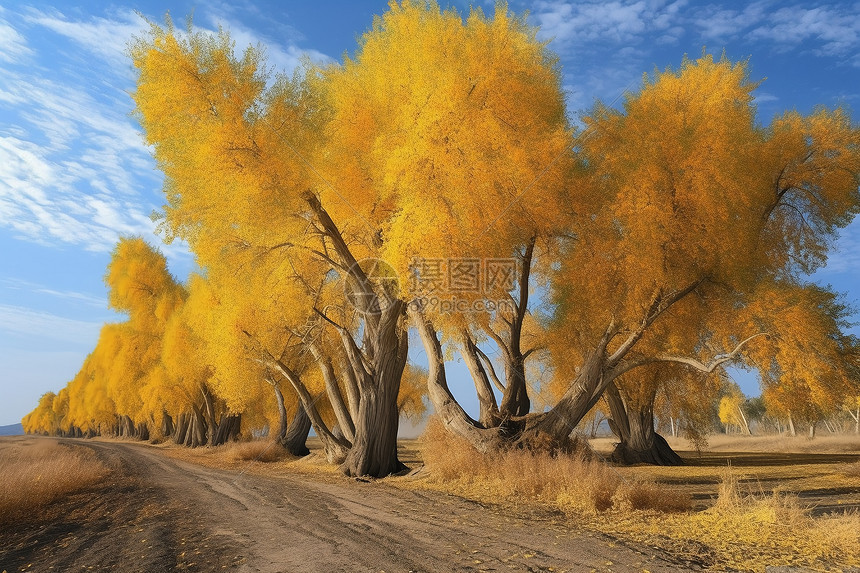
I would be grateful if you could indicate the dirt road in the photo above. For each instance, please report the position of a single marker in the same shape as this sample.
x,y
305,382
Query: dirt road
x,y
160,514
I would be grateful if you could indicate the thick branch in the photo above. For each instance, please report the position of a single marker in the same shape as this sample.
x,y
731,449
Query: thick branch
x,y
659,305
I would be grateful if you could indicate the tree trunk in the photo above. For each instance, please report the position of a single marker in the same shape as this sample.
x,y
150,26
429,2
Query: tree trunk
x,y
374,450
449,411
639,442
856,418
335,397
791,426
335,448
350,382
811,430
181,428
745,427
280,435
211,424
166,425
378,364
489,410
228,429
296,436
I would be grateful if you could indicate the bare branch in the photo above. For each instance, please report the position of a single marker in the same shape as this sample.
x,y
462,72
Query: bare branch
x,y
689,361
490,369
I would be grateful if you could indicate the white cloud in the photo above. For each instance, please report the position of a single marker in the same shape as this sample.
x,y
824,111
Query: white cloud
x,y
844,258
104,38
833,30
13,46
281,58
73,165
15,284
19,321
826,30
579,23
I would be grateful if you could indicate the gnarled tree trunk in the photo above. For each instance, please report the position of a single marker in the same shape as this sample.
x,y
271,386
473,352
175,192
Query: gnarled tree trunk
x,y
295,437
374,450
634,426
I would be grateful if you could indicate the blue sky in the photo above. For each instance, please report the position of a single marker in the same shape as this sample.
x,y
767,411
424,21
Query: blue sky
x,y
75,175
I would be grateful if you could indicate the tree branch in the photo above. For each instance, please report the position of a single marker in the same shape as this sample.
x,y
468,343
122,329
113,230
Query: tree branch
x,y
686,360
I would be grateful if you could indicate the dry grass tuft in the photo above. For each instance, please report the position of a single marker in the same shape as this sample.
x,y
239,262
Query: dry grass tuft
x,y
744,529
851,470
568,478
39,471
264,451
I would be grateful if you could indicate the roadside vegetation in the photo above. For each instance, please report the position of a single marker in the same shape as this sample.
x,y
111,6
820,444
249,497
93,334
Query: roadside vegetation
x,y
743,518
38,472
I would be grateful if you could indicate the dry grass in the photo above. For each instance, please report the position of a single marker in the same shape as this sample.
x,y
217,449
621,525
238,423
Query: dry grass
x,y
571,481
745,531
852,470
264,451
39,471
746,528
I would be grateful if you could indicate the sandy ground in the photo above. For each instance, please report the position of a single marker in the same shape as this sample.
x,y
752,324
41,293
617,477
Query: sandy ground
x,y
161,514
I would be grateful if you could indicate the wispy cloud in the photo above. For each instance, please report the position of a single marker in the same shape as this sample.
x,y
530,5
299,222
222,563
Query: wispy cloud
x,y
281,58
15,284
73,166
845,257
13,46
18,321
105,38
831,30
825,30
616,22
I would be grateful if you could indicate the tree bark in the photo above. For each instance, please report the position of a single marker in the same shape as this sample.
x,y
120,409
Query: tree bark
x,y
228,429
350,382
639,441
489,410
166,425
745,427
296,436
335,448
181,428
374,450
856,417
209,405
378,364
281,433
451,414
791,426
335,397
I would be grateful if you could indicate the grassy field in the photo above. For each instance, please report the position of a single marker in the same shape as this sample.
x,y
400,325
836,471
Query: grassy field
x,y
744,504
37,471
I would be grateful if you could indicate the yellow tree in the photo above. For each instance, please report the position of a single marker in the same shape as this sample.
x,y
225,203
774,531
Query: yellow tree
x,y
703,209
808,365
140,286
731,410
42,420
237,186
